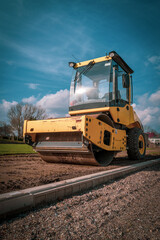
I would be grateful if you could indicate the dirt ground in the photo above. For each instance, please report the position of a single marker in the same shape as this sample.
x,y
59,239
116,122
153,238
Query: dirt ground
x,y
125,209
24,171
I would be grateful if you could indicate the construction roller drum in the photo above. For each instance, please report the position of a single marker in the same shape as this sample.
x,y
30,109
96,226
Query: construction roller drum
x,y
73,148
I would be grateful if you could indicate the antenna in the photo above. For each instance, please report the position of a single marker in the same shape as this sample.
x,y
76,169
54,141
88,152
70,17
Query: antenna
x,y
76,58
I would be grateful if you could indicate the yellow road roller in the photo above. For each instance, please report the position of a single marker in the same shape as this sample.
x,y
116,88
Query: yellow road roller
x,y
102,121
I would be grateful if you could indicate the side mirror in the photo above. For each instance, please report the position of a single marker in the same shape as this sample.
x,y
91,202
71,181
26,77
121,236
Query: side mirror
x,y
125,80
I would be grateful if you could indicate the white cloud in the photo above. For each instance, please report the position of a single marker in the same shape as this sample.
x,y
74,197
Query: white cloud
x,y
32,85
143,99
148,109
56,105
155,98
134,105
29,100
155,60
4,107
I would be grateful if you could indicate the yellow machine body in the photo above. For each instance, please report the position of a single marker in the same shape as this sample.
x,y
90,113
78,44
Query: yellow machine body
x,y
82,124
122,115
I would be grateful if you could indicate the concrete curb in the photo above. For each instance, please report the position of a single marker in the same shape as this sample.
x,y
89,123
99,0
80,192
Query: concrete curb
x,y
15,202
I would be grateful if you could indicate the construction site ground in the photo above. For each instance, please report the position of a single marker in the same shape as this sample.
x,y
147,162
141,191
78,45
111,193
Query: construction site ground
x,y
29,170
126,208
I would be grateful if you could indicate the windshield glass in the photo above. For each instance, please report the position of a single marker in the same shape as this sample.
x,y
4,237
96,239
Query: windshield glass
x,y
90,84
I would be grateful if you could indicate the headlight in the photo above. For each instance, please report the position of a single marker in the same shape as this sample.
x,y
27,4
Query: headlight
x,y
72,64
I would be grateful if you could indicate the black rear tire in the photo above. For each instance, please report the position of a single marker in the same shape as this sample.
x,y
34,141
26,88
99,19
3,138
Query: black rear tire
x,y
136,144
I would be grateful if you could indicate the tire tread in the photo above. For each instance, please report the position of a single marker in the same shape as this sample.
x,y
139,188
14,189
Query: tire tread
x,y
133,145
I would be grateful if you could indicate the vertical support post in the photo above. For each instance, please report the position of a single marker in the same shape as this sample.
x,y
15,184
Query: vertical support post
x,y
128,91
115,83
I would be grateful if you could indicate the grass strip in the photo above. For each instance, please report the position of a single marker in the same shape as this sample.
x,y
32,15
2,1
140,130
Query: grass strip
x,y
15,149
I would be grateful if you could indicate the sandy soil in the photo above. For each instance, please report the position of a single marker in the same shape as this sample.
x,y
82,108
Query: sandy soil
x,y
24,171
125,209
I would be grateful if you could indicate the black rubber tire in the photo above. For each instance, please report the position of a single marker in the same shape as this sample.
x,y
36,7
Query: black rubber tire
x,y
133,144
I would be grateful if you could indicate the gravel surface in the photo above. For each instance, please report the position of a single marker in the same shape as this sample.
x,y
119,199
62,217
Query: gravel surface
x,y
24,171
128,208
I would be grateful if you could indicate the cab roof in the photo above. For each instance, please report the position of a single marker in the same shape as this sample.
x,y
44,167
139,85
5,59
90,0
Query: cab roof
x,y
112,55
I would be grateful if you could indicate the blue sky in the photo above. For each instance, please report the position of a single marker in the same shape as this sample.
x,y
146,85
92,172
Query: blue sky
x,y
38,38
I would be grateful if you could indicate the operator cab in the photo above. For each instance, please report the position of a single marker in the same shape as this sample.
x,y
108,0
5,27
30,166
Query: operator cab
x,y
103,82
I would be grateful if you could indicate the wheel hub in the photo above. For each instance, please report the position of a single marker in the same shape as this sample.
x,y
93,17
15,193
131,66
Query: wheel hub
x,y
141,144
